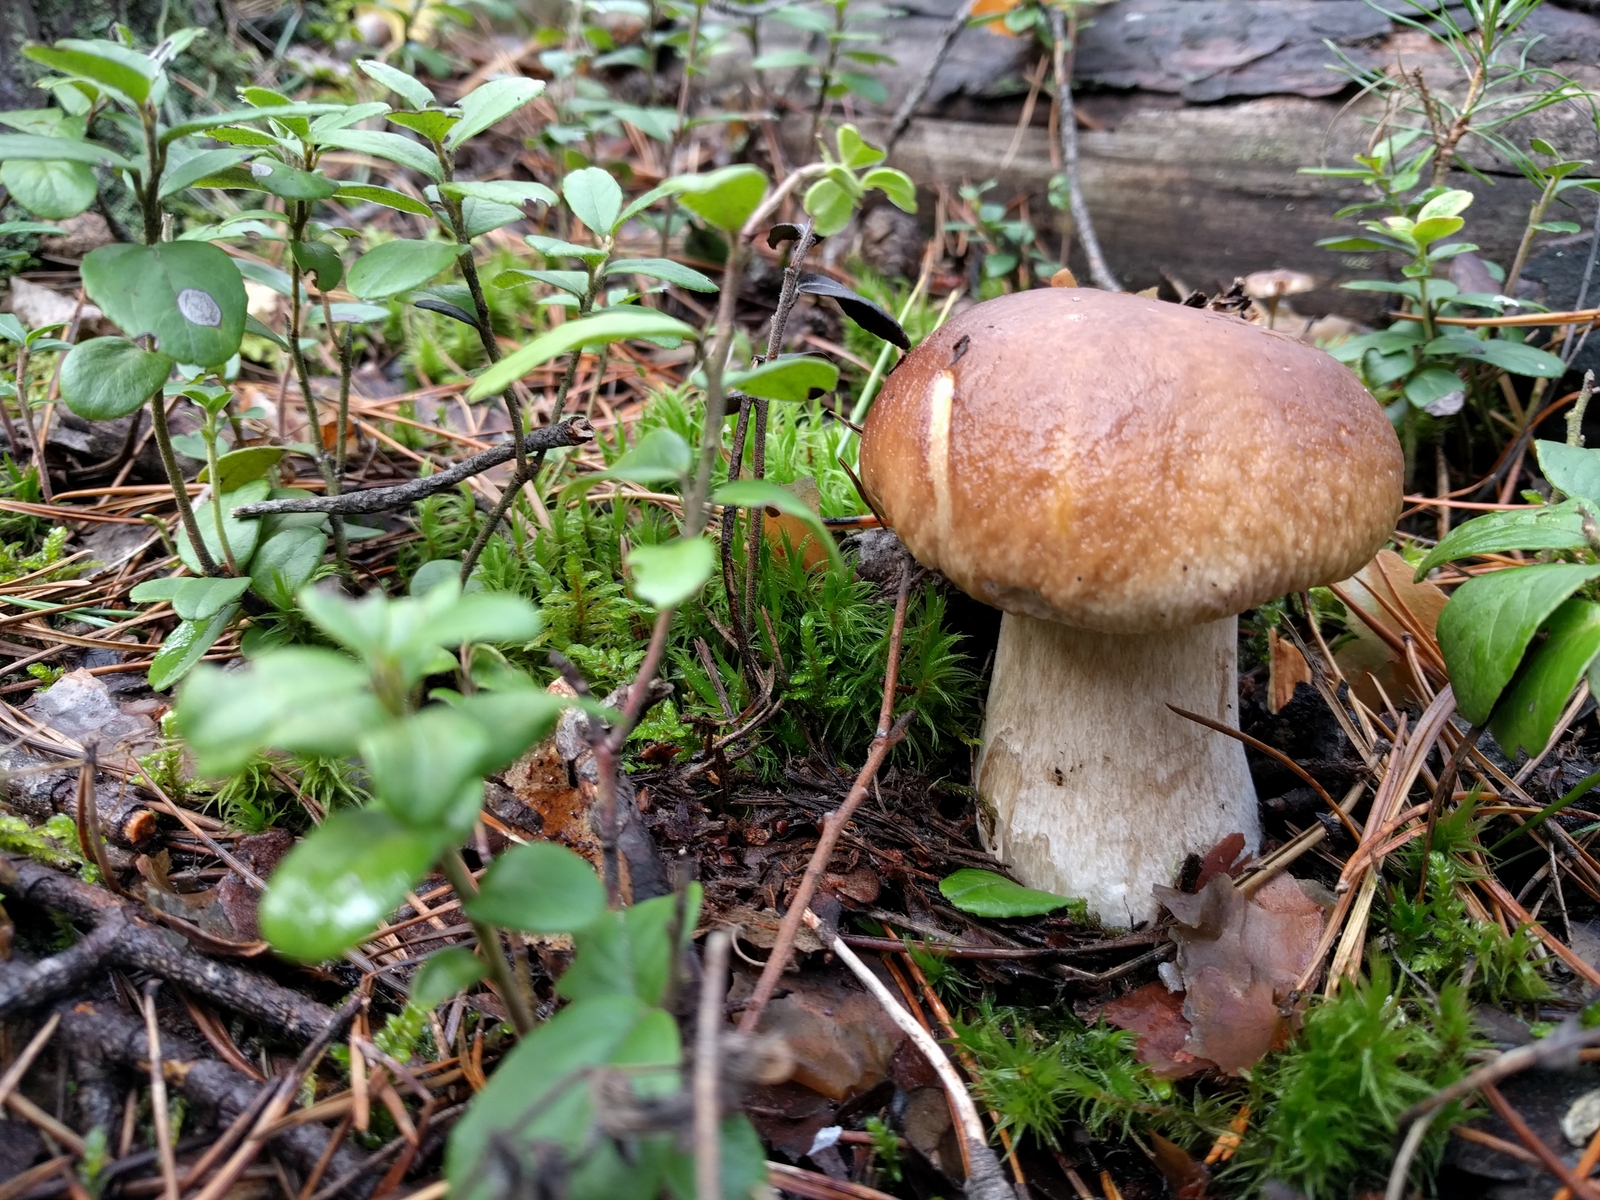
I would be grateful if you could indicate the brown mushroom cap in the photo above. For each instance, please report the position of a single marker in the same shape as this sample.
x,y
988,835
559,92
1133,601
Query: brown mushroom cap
x,y
1126,465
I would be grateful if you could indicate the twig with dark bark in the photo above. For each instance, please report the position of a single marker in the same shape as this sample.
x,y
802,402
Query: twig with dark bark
x,y
573,432
914,98
121,938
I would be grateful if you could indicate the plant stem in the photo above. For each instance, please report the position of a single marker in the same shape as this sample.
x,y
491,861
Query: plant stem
x,y
169,462
209,433
341,547
1060,40
455,871
825,80
154,163
1540,206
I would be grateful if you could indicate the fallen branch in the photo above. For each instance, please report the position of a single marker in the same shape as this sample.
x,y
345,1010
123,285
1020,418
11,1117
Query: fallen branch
x,y
122,939
371,500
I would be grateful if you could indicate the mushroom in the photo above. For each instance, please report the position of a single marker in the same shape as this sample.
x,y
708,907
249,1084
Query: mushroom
x,y
1273,286
1122,477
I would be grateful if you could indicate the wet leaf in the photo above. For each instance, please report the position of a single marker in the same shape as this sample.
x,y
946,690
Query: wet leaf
x,y
109,377
539,887
858,308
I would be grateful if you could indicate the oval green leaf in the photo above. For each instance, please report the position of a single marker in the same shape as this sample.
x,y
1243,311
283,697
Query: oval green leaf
x,y
185,646
188,295
1549,527
399,266
723,199
1489,621
611,325
594,198
790,378
669,573
53,189
341,880
539,888
1531,706
109,377
989,894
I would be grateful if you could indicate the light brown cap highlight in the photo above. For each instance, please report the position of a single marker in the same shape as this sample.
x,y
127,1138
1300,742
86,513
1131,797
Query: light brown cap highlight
x,y
1125,465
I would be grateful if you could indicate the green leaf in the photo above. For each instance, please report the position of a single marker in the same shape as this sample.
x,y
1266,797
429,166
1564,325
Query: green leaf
x,y
122,73
628,953
301,699
389,146
109,377
433,124
490,103
290,183
611,325
1528,712
193,598
11,329
201,166
282,113
763,493
539,888
18,146
896,185
1431,385
512,192
54,190
242,532
540,1097
1549,527
1571,470
1507,355
420,766
285,563
854,150
790,378
830,207
480,216
185,646
660,456
388,197
495,617
1446,204
321,260
667,574
742,1160
783,60
410,89
514,719
1489,621
399,266
594,198
556,248
662,268
723,199
988,894
444,974
343,878
1429,231
189,295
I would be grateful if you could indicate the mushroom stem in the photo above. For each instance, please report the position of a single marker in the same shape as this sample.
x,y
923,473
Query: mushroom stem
x,y
1091,786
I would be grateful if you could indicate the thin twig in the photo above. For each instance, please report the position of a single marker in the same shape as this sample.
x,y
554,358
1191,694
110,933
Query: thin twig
x,y
158,1092
708,1033
986,1178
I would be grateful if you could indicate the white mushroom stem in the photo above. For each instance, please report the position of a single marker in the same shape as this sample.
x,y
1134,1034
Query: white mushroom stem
x,y
1091,786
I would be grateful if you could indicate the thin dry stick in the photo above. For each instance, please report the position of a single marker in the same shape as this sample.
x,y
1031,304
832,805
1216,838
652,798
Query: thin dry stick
x,y
707,1110
158,1093
908,107
985,1178
833,824
1099,269
1525,1134
18,1069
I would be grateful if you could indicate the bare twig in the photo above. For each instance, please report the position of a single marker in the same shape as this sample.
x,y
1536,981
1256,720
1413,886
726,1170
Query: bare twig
x,y
833,824
707,1107
1083,223
913,101
985,1180
158,1092
571,432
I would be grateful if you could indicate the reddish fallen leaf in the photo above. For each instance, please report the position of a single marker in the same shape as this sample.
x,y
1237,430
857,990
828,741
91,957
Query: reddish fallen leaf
x,y
1220,859
1184,1174
1238,960
1156,1015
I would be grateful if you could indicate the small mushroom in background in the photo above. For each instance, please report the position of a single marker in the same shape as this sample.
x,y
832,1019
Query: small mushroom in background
x,y
1122,477
1271,287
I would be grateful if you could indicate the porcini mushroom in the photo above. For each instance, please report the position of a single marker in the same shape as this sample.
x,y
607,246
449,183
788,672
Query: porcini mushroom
x,y
1122,477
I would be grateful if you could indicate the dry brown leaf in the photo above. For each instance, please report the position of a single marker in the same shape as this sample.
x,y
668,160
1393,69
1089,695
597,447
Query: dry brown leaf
x,y
1156,1015
1286,669
1238,959
1415,610
780,528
